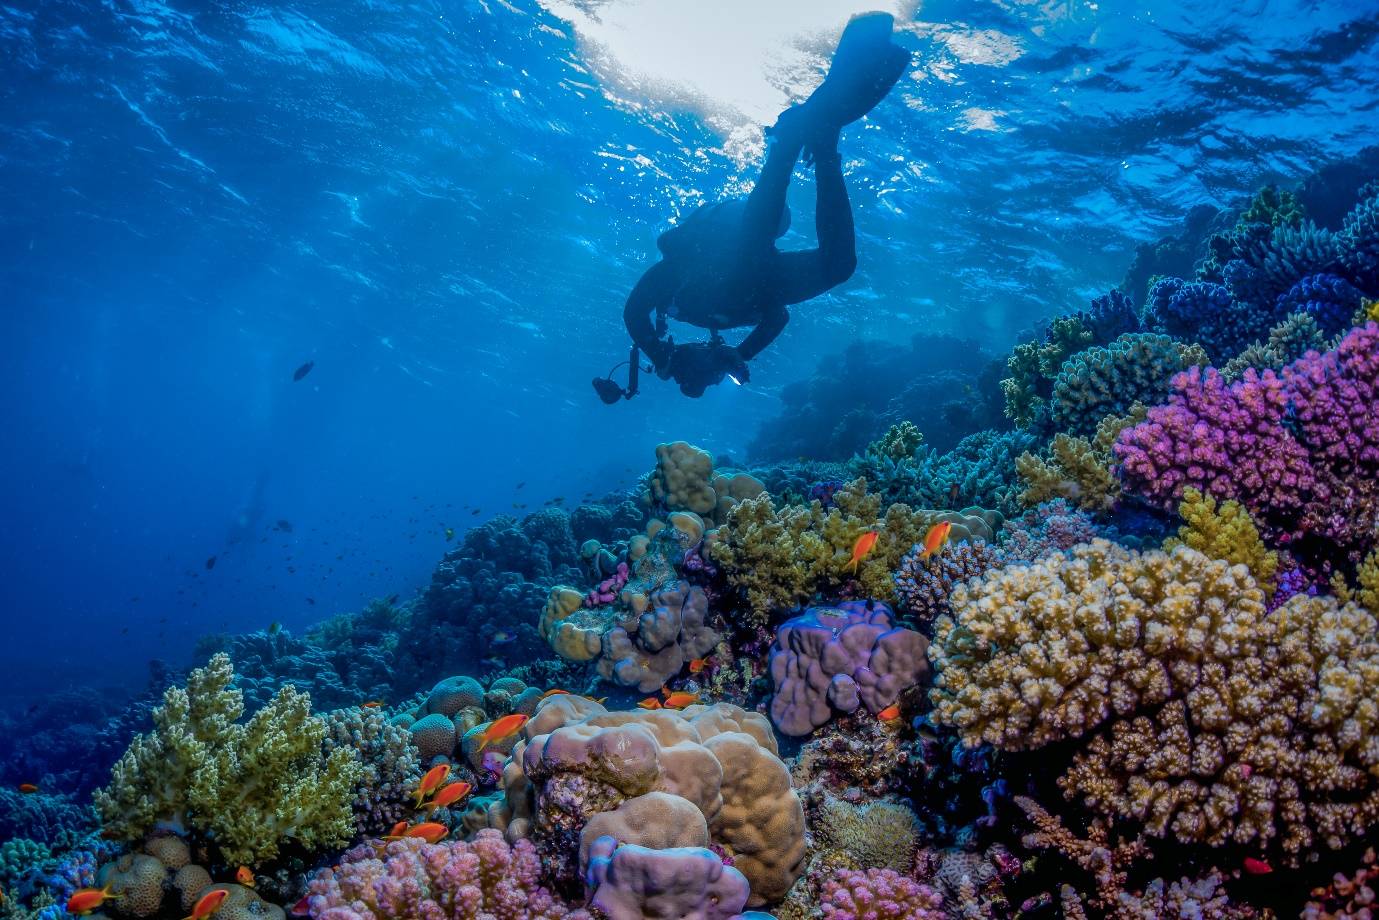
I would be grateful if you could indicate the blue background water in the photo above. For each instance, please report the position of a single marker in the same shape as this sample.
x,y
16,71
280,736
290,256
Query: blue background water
x,y
443,205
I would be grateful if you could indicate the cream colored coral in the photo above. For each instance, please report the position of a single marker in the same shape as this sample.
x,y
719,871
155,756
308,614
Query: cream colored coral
x,y
719,759
573,632
881,834
1047,651
1073,470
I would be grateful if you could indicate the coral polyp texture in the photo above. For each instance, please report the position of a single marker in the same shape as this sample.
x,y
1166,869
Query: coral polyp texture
x,y
1299,449
252,787
1205,717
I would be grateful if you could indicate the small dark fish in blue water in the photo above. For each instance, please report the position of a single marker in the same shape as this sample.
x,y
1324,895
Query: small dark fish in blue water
x,y
393,599
274,628
311,601
284,525
503,637
474,512
302,371
210,563
521,484
449,534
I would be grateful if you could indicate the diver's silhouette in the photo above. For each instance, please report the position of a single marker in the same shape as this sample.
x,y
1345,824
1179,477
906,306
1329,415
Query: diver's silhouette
x,y
721,268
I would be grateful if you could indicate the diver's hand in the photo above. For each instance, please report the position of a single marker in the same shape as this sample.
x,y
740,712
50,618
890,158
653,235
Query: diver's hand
x,y
661,352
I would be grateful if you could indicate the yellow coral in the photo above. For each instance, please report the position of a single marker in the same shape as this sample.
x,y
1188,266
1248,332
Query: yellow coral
x,y
783,557
1225,532
251,786
684,480
1077,469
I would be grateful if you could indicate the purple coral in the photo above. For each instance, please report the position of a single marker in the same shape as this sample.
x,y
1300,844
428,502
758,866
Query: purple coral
x,y
632,882
1300,449
879,894
607,590
839,658
455,880
923,585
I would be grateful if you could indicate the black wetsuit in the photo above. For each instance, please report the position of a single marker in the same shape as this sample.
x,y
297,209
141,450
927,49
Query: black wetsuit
x,y
742,279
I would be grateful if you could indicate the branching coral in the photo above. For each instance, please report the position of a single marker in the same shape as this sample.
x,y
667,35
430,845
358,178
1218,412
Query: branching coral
x,y
900,441
879,894
1225,532
1033,366
1329,300
782,557
1300,449
1213,721
923,586
980,470
1077,469
453,880
252,786
391,766
1292,338
1109,380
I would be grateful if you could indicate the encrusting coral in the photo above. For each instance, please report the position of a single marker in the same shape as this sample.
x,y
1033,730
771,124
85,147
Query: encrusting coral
x,y
1212,720
252,787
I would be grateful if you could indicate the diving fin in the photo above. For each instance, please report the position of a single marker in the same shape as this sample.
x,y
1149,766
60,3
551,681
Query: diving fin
x,y
865,66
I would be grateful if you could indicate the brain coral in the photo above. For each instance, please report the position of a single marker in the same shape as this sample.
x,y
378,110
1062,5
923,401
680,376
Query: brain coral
x,y
1208,718
577,760
1111,379
252,785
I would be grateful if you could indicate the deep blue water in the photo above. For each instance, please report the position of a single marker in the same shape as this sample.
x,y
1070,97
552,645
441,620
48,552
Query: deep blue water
x,y
443,205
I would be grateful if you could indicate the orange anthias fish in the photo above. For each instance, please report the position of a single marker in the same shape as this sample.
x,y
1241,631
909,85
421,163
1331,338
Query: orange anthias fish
x,y
500,730
865,544
85,900
372,704
432,781
28,788
208,904
936,539
449,795
556,692
245,876
398,830
680,700
890,713
430,831
1257,866
697,665
649,703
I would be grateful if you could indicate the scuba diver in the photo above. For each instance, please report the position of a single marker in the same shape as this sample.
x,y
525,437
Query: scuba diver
x,y
720,269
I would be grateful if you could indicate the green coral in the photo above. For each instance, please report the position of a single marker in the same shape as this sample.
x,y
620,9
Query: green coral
x,y
1033,365
780,558
1225,532
1273,207
899,442
1077,469
882,834
1110,379
250,787
18,858
1293,337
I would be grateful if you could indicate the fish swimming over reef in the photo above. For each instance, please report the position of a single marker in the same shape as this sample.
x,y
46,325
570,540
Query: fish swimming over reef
x,y
501,730
936,539
85,900
432,781
864,545
208,904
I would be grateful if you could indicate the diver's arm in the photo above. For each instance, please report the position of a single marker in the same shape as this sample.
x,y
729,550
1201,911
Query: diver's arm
x,y
654,290
772,322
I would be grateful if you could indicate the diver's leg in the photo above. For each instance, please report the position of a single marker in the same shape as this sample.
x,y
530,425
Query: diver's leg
x,y
766,204
799,276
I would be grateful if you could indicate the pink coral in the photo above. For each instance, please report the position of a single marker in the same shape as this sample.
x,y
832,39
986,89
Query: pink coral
x,y
412,880
879,894
1299,449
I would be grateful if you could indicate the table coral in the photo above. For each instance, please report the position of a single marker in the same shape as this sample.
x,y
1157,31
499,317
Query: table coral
x,y
454,880
837,659
251,786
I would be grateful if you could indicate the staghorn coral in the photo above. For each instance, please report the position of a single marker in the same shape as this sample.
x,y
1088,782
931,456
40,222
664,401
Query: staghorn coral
x,y
1225,532
453,880
252,786
576,760
1109,380
923,586
781,558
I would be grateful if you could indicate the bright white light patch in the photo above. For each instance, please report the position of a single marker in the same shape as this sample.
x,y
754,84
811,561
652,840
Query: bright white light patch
x,y
735,63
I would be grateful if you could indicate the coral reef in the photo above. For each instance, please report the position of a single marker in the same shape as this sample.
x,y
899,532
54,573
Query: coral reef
x,y
454,879
1292,448
879,894
632,882
923,586
390,766
577,760
978,472
252,786
1110,380
1225,532
836,659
